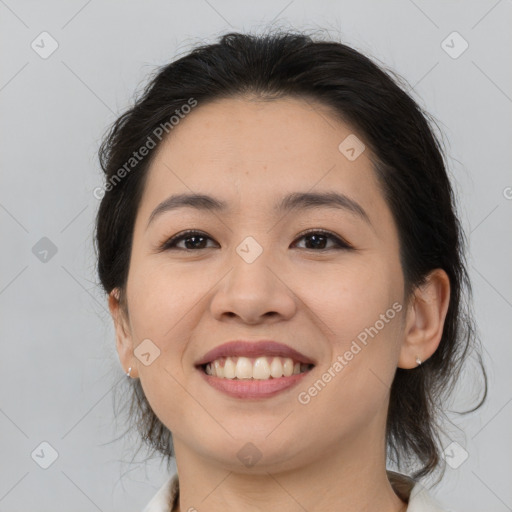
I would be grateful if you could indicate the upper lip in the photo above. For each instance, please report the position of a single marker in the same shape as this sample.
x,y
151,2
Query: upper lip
x,y
253,349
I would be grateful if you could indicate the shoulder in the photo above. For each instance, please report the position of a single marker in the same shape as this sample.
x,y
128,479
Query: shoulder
x,y
418,497
421,500
164,500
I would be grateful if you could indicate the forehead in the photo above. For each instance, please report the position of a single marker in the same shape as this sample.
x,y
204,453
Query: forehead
x,y
241,132
251,153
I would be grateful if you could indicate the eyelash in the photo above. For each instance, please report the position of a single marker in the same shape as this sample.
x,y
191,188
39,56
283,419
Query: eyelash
x,y
341,244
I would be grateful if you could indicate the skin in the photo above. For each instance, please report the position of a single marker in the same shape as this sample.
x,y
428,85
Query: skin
x,y
327,455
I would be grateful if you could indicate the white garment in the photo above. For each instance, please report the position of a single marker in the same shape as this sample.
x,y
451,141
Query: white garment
x,y
420,500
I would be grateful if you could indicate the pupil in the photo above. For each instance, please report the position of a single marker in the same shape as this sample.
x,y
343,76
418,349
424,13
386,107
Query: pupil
x,y
315,244
192,238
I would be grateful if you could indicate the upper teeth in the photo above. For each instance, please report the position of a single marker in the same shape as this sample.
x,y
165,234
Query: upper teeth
x,y
260,368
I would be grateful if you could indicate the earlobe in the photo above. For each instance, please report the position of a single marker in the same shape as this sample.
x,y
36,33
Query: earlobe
x,y
425,319
123,336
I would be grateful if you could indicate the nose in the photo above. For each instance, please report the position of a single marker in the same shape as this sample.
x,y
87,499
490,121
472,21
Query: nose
x,y
254,291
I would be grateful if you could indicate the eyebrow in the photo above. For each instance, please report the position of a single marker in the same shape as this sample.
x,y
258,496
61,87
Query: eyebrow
x,y
291,202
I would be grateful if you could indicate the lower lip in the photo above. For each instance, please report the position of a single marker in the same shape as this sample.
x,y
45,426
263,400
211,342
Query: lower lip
x,y
253,388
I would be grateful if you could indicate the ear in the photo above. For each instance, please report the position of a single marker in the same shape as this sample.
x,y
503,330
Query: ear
x,y
425,318
124,342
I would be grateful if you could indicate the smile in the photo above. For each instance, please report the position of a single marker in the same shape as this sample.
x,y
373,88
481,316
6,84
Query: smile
x,y
253,377
257,368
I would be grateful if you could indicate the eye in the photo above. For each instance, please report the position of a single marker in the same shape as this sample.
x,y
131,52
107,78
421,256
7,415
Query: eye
x,y
197,240
318,237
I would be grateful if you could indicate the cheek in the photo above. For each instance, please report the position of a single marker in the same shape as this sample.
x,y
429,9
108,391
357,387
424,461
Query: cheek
x,y
360,311
351,390
160,299
350,298
161,303
161,311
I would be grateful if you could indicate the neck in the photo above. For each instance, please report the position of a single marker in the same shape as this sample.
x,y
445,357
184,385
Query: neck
x,y
348,479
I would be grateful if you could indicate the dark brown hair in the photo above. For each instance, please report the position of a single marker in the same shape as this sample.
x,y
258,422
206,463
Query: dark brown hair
x,y
408,161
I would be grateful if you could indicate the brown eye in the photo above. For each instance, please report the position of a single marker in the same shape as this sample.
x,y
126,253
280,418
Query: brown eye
x,y
315,239
193,240
318,239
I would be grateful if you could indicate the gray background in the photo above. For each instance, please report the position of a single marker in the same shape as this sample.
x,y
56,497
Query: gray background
x,y
58,364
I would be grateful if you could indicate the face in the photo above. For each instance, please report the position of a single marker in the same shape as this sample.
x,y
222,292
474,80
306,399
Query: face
x,y
324,280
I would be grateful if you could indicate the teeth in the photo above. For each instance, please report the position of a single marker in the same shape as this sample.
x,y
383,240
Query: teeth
x,y
276,368
243,368
229,369
260,368
288,367
217,369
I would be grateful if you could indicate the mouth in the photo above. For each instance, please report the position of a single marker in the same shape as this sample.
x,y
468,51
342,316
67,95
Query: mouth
x,y
254,368
249,378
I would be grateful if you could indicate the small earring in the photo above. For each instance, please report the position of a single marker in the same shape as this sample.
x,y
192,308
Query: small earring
x,y
129,371
418,361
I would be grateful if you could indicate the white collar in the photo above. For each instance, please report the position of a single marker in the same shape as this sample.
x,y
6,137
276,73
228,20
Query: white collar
x,y
420,500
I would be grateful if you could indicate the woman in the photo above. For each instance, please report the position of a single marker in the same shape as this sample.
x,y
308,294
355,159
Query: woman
x,y
285,271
